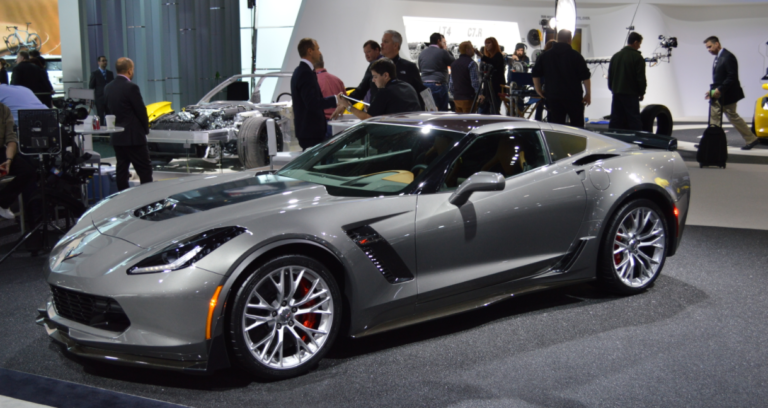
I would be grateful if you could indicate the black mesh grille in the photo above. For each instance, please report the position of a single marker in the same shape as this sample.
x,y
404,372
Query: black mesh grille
x,y
96,311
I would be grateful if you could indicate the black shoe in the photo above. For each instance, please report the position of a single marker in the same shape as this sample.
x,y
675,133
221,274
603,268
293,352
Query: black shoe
x,y
695,146
749,146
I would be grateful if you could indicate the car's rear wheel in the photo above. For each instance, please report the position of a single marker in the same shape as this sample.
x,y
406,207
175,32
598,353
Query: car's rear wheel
x,y
634,248
285,317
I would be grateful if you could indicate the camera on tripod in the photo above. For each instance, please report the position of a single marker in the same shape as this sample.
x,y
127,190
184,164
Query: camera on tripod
x,y
667,42
70,111
485,68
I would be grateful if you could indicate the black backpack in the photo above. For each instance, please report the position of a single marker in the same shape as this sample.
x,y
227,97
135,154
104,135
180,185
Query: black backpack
x,y
713,147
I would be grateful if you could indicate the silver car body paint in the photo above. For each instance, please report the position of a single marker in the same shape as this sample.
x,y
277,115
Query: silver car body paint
x,y
497,245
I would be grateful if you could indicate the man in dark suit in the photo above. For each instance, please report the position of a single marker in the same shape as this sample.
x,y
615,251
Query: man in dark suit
x,y
308,102
124,100
99,79
726,91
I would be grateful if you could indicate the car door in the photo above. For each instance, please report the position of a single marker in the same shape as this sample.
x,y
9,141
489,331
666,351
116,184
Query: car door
x,y
498,236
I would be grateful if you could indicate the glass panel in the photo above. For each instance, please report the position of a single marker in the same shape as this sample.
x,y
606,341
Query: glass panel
x,y
507,153
564,145
271,46
267,89
373,159
278,13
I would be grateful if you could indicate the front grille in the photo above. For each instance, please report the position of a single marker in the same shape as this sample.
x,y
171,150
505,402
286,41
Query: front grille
x,y
95,311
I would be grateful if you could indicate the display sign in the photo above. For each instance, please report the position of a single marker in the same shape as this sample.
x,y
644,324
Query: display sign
x,y
456,31
30,25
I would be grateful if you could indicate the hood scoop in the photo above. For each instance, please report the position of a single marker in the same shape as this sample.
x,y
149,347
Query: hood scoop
x,y
218,195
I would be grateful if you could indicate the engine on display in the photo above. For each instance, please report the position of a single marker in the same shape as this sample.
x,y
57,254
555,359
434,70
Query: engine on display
x,y
195,117
218,130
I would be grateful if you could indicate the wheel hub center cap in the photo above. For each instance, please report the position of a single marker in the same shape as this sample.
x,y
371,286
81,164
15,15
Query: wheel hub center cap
x,y
284,315
633,245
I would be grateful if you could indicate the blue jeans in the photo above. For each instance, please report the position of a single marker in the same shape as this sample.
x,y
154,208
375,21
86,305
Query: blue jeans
x,y
439,94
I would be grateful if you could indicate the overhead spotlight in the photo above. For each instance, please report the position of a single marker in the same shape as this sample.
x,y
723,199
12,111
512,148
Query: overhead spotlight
x,y
565,14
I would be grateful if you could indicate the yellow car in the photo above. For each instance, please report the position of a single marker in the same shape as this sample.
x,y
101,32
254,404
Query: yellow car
x,y
760,120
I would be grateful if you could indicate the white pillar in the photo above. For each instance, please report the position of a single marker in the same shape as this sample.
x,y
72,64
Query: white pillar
x,y
71,45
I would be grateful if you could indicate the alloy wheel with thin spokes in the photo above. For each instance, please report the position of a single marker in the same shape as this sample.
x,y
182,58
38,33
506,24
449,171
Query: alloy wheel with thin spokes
x,y
635,247
285,316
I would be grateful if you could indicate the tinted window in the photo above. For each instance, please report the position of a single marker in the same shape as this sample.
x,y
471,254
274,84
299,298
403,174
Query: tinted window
x,y
373,159
564,145
54,65
509,153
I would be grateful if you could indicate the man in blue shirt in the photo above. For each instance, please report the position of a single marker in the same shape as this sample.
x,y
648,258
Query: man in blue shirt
x,y
99,79
17,97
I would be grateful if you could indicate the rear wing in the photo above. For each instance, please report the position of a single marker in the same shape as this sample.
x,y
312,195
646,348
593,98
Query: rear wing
x,y
643,139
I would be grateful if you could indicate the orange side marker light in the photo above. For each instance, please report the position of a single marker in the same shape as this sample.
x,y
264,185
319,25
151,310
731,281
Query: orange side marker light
x,y
211,308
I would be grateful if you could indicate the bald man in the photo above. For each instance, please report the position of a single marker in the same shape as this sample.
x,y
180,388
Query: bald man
x,y
125,102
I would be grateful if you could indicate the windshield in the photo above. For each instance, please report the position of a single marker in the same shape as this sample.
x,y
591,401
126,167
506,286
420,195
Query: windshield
x,y
373,159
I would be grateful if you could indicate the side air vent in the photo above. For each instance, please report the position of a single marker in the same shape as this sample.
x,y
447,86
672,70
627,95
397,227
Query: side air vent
x,y
381,254
593,158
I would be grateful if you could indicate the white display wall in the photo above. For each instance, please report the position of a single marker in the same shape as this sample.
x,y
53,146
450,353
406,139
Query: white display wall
x,y
342,26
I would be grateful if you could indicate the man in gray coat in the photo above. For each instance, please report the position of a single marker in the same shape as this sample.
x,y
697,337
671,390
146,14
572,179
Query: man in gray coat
x,y
433,64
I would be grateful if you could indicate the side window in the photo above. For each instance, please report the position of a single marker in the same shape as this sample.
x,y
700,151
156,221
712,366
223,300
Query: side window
x,y
564,145
509,153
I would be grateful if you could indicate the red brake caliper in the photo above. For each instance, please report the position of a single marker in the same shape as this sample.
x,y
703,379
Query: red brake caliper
x,y
617,257
310,319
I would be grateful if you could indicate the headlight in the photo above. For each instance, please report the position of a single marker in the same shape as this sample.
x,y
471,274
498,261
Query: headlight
x,y
184,253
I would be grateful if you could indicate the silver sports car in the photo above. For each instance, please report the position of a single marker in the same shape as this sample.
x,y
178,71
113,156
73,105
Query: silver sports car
x,y
395,221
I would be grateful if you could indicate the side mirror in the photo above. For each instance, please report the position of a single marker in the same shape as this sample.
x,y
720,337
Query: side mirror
x,y
480,181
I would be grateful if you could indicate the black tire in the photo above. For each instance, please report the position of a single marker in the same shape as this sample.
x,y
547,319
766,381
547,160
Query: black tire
x,y
252,148
661,115
607,273
241,342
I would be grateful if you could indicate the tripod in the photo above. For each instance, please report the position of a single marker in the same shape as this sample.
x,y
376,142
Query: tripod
x,y
44,222
485,83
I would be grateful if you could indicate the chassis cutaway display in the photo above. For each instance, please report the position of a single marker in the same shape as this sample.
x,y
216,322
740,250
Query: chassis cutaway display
x,y
213,130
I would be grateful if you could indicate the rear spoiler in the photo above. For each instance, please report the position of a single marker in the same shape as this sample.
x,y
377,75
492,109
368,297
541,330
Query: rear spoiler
x,y
643,139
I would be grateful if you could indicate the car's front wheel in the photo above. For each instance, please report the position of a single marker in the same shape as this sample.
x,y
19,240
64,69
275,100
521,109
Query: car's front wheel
x,y
634,248
285,317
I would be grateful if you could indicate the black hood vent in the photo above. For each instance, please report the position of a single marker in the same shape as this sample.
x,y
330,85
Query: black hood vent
x,y
218,195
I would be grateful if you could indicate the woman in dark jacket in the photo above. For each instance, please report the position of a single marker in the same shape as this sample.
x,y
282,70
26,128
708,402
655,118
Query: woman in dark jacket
x,y
494,58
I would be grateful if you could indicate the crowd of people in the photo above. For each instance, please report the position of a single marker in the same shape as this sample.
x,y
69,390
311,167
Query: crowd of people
x,y
391,84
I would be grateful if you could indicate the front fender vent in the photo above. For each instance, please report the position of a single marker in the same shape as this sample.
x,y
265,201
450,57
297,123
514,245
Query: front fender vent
x,y
381,254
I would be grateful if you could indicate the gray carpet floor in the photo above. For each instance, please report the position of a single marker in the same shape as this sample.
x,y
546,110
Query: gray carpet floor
x,y
696,339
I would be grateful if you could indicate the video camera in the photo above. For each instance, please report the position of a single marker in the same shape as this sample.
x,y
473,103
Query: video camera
x,y
70,111
486,68
667,42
